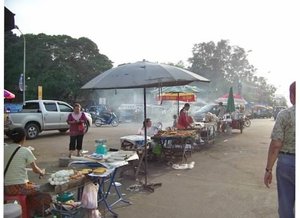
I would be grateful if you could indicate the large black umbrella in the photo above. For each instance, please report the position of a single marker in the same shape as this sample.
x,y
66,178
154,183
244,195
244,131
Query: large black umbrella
x,y
143,74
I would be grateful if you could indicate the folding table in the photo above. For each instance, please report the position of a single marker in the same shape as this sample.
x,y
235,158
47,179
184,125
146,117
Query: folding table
x,y
109,175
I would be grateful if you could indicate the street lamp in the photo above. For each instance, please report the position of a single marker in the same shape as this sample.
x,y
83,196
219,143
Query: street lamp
x,y
24,64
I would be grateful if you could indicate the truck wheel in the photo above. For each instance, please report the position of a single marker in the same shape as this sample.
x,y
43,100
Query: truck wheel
x,y
32,131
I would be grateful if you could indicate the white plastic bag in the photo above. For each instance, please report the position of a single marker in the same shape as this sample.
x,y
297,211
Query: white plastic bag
x,y
89,200
92,213
89,197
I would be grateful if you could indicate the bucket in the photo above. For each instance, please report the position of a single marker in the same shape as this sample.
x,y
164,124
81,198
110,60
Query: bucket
x,y
100,146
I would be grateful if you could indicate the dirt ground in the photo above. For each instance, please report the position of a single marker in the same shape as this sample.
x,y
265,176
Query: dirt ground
x,y
50,146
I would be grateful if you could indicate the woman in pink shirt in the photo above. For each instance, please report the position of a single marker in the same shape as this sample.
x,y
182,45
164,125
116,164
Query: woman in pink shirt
x,y
76,120
184,120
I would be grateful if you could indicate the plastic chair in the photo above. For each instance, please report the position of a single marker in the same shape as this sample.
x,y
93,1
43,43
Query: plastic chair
x,y
22,199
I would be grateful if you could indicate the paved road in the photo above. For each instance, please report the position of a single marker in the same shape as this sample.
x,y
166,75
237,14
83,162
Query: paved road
x,y
226,182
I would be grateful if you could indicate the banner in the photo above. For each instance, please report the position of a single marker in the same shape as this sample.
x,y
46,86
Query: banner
x,y
21,83
40,92
186,97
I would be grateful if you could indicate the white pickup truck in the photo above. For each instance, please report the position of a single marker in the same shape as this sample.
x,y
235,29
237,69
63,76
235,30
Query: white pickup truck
x,y
42,115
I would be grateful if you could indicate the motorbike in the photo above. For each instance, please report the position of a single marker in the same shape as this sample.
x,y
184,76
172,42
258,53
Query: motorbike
x,y
107,118
235,122
247,121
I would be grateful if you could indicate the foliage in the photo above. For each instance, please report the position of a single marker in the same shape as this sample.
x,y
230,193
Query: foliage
x,y
60,64
227,66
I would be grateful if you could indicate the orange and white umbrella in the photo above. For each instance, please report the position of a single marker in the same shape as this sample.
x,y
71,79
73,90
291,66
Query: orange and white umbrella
x,y
185,97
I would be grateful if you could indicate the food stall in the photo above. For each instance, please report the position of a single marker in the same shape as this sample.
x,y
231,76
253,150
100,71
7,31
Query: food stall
x,y
170,144
175,143
82,171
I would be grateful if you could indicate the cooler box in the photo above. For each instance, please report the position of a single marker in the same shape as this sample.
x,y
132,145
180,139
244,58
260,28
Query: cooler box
x,y
133,142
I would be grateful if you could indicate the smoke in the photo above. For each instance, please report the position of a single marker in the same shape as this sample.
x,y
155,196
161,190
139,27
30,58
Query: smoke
x,y
128,104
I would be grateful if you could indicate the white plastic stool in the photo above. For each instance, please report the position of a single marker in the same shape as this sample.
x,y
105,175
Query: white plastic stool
x,y
12,210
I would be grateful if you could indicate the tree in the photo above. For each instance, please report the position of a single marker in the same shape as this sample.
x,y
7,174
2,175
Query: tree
x,y
227,66
60,64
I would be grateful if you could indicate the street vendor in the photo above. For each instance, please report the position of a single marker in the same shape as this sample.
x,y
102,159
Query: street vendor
x,y
16,158
184,120
220,113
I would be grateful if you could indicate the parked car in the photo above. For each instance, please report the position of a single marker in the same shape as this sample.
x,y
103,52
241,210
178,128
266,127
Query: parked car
x,y
42,115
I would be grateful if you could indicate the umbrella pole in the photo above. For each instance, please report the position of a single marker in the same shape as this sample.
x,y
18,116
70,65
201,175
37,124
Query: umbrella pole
x,y
145,134
177,104
149,187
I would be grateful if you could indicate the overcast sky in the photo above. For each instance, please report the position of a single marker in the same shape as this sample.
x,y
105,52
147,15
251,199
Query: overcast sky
x,y
166,30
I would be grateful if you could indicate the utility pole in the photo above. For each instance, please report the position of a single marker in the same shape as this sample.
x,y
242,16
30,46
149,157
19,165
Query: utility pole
x,y
24,65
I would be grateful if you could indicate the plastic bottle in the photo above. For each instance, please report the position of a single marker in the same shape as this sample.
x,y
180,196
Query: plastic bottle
x,y
100,146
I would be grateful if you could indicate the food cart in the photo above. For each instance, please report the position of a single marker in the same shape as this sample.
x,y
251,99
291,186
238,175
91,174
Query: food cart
x,y
175,144
233,122
238,124
206,132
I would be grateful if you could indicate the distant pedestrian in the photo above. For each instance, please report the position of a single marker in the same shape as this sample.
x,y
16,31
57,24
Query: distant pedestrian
x,y
220,113
76,120
282,149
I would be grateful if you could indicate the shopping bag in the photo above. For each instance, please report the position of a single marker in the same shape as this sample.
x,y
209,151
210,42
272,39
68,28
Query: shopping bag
x,y
89,197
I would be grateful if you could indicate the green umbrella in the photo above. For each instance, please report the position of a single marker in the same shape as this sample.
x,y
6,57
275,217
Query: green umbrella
x,y
230,102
